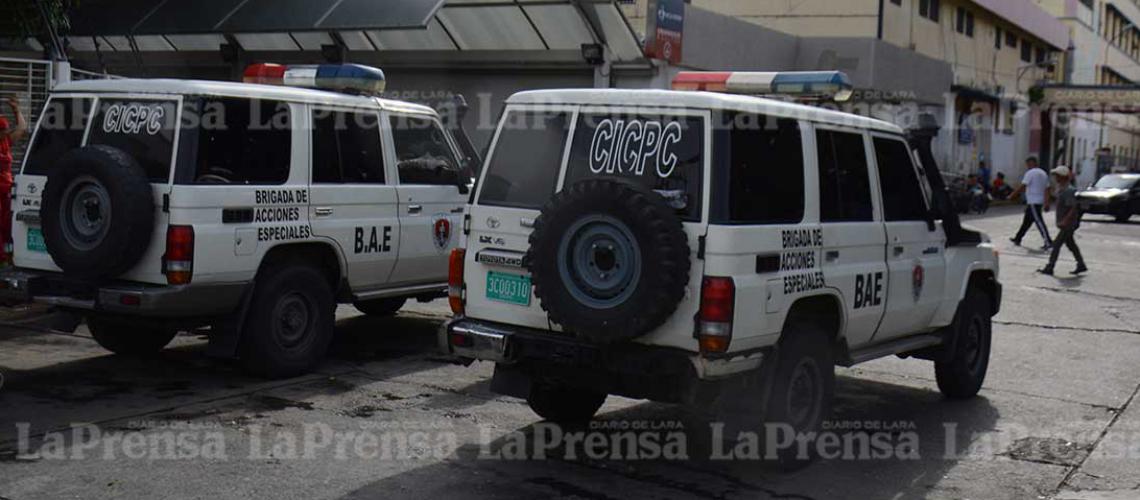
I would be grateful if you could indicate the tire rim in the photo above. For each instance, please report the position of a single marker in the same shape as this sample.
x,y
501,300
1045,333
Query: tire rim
x,y
804,395
599,260
85,214
294,319
972,347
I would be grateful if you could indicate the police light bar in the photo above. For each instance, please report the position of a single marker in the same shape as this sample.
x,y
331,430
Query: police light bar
x,y
830,84
353,78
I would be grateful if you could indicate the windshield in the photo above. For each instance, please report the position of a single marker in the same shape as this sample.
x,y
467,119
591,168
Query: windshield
x,y
1117,182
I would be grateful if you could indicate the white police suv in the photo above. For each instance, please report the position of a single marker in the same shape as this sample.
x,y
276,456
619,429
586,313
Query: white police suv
x,y
712,249
154,206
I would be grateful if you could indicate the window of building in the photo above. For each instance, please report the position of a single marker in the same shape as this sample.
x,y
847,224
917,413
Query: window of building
x,y
524,166
1040,54
965,22
997,38
423,155
844,183
766,179
1026,51
1010,39
346,148
902,193
930,9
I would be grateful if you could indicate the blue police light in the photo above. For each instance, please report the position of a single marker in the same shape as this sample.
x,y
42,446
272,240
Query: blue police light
x,y
354,78
814,84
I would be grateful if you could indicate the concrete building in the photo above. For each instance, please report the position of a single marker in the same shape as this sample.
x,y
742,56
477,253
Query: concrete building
x,y
1106,52
971,63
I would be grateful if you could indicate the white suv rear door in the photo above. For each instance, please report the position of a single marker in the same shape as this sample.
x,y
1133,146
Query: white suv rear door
x,y
431,200
352,197
915,248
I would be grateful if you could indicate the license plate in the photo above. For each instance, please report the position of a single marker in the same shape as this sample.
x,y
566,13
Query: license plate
x,y
36,240
509,288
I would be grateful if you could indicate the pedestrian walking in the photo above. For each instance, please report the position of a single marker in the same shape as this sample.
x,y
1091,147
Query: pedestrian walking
x,y
1035,186
1068,221
10,134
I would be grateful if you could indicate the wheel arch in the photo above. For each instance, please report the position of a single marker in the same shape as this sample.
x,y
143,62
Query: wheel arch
x,y
824,310
323,254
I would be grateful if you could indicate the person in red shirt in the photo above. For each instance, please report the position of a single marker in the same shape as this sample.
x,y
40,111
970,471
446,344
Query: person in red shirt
x,y
9,134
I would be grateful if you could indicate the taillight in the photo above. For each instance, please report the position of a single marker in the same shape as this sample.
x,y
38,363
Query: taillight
x,y
714,320
455,280
178,262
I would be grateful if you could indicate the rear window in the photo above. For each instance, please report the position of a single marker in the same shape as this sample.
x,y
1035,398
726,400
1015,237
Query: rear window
x,y
60,130
240,141
346,148
523,169
144,129
663,153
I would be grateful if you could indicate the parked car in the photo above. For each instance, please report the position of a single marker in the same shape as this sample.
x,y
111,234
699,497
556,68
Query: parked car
x,y
154,206
1117,195
706,249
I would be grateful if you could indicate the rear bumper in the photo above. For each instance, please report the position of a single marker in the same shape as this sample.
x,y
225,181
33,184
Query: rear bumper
x,y
512,345
157,301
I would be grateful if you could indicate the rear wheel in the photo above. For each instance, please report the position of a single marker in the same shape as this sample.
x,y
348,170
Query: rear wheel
x,y
127,339
381,308
290,322
564,405
962,375
801,392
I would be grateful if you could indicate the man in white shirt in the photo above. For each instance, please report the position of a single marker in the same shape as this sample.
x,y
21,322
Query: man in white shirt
x,y
1035,186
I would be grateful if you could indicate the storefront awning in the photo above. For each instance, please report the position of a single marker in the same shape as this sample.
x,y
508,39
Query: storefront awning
x,y
174,17
360,25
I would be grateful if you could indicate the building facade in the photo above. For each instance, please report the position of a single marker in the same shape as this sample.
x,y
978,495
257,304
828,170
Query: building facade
x,y
992,51
1106,52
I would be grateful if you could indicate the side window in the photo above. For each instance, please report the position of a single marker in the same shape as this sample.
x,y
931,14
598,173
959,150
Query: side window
x,y
243,141
346,148
143,129
766,180
523,169
902,193
664,153
844,185
60,130
423,155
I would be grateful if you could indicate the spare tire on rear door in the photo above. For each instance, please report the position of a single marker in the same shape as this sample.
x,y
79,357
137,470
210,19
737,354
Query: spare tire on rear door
x,y
609,260
97,213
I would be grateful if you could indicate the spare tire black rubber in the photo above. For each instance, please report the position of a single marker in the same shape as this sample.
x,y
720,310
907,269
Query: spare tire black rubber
x,y
97,213
609,260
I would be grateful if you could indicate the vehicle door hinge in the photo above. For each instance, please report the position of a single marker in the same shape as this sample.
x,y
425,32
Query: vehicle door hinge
x,y
467,225
166,203
701,247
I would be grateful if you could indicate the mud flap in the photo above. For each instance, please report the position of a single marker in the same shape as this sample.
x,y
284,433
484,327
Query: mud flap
x,y
225,335
510,381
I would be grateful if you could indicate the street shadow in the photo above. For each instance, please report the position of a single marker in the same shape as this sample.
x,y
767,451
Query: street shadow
x,y
942,431
89,384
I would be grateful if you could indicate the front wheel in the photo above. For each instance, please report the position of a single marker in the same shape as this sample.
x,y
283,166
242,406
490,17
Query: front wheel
x,y
126,339
564,405
961,376
290,322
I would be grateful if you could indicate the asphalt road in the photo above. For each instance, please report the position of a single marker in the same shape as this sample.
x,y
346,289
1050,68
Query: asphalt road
x,y
386,418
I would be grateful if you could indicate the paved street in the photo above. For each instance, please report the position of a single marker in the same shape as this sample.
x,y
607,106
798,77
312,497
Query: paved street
x,y
1056,419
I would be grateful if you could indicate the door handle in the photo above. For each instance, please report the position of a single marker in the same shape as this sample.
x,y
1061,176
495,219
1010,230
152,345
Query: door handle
x,y
899,251
323,211
831,255
930,251
415,209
